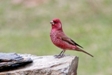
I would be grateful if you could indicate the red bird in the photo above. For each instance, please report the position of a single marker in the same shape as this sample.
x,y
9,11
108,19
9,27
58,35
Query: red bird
x,y
60,40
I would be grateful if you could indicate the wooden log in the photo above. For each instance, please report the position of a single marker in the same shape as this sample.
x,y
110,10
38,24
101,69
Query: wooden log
x,y
47,65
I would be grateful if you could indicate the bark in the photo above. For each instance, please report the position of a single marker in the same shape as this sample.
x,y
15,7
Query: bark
x,y
47,65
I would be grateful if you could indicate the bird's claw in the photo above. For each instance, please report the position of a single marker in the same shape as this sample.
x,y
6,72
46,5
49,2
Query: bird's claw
x,y
59,56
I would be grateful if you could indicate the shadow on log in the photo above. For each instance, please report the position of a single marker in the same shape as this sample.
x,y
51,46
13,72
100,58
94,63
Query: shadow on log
x,y
47,65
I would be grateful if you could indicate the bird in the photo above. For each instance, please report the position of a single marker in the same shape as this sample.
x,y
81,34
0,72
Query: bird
x,y
61,40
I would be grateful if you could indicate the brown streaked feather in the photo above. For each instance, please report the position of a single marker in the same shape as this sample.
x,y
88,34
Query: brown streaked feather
x,y
70,41
76,43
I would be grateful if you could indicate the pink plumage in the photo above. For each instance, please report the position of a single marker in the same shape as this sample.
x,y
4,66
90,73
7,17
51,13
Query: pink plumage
x,y
60,40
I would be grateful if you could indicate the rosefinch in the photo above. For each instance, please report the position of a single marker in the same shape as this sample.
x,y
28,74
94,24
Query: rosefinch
x,y
60,40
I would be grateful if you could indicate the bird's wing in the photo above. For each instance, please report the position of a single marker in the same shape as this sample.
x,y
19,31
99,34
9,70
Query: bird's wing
x,y
70,41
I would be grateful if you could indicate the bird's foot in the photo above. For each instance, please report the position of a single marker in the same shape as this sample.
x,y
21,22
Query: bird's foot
x,y
59,56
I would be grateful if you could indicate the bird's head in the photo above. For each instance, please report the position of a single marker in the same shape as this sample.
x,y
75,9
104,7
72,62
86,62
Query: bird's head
x,y
56,24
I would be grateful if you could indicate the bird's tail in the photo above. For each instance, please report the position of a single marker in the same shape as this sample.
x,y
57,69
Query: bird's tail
x,y
78,49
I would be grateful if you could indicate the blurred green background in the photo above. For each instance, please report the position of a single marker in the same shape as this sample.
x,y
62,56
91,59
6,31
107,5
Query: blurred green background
x,y
25,28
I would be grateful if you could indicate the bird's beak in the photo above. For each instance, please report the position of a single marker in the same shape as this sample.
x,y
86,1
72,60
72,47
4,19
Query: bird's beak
x,y
52,23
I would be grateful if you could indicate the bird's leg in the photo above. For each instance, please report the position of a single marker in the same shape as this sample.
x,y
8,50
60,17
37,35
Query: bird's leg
x,y
61,54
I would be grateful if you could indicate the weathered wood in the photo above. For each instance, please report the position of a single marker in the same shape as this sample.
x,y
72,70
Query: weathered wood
x,y
9,61
47,65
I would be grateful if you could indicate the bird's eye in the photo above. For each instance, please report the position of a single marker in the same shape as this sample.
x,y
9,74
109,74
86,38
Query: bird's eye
x,y
55,22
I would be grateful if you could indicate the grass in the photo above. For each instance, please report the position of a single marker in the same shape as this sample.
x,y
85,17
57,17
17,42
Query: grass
x,y
26,30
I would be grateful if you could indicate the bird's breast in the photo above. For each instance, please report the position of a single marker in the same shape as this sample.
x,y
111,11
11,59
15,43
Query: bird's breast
x,y
55,37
